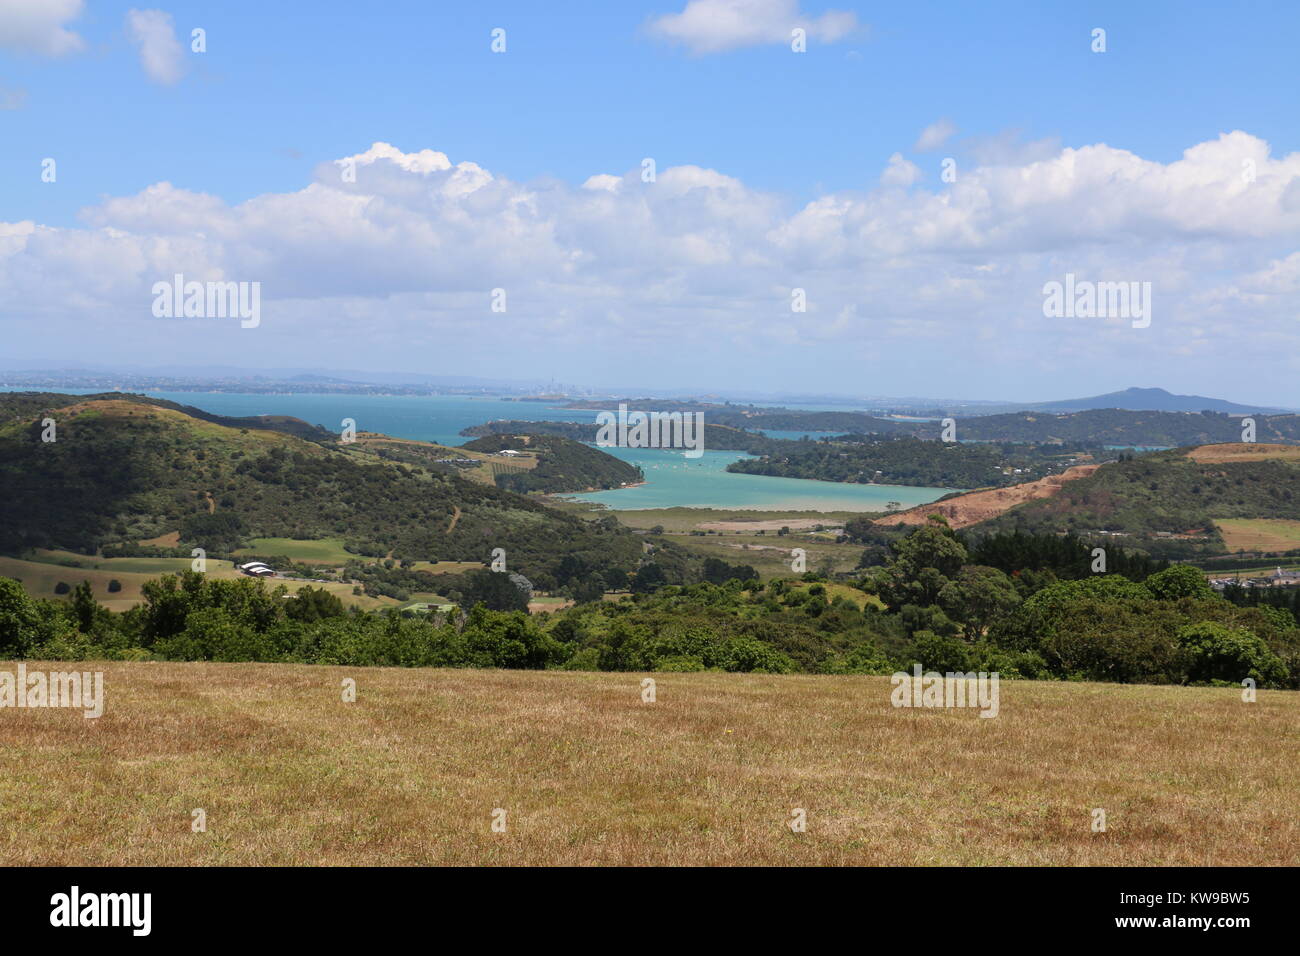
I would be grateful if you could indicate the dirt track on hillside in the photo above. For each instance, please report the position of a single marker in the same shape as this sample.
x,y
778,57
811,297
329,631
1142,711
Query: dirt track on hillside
x,y
976,506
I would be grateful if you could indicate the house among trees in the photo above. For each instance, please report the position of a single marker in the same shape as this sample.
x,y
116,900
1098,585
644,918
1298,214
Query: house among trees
x,y
257,569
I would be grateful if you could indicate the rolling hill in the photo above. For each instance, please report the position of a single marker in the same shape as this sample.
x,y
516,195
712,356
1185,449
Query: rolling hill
x,y
1169,502
122,470
556,464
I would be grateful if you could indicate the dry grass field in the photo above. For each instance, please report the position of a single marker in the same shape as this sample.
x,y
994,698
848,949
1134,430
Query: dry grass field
x,y
411,772
1259,534
1230,452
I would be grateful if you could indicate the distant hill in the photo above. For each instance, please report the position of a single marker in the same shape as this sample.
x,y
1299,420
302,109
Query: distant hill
x,y
1119,428
1152,400
1115,427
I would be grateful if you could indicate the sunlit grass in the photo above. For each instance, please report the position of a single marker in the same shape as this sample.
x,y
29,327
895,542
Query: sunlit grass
x,y
709,773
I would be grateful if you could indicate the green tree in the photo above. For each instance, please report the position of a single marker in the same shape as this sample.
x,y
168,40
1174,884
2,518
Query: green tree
x,y
494,590
19,622
84,607
978,597
649,577
922,563
1220,653
1179,581
313,604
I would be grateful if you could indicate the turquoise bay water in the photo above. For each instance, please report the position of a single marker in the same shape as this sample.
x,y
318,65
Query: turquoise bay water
x,y
671,480
436,418
796,435
675,481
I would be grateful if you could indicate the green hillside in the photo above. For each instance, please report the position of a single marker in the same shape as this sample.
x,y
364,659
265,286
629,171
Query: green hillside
x,y
911,461
561,464
1168,500
716,437
123,471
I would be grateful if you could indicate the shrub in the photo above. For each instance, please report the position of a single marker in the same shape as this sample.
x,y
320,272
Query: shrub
x,y
679,663
1222,654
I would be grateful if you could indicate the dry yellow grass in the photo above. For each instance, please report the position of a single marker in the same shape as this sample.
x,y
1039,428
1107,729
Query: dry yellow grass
x,y
1243,452
1259,534
588,774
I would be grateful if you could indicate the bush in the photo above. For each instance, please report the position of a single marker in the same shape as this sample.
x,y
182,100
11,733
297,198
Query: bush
x,y
680,664
587,659
1221,654
866,659
942,653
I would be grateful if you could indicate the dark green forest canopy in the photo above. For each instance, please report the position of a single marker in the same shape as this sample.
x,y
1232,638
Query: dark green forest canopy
x,y
912,461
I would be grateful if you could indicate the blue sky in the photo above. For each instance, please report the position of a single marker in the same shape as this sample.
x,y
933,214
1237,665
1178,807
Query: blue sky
x,y
587,89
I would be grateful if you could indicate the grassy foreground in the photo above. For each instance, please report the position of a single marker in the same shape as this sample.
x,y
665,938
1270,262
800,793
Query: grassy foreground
x,y
411,772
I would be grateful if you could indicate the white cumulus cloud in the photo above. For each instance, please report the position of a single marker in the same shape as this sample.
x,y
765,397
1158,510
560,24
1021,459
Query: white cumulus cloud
x,y
40,26
935,135
697,266
713,26
154,36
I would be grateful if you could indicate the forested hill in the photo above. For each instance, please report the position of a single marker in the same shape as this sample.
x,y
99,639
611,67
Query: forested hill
x,y
758,416
716,437
558,464
911,461
1102,426
1177,495
1114,426
122,471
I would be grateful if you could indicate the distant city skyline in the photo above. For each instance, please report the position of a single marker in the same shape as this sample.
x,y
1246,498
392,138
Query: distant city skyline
x,y
195,376
661,195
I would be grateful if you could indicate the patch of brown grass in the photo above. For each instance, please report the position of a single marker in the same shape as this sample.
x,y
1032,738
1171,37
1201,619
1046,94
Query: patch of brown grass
x,y
588,774
169,540
1259,534
1244,451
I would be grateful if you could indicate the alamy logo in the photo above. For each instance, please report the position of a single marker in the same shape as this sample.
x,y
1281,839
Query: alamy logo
x,y
103,909
55,689
1098,300
179,299
953,689
651,430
